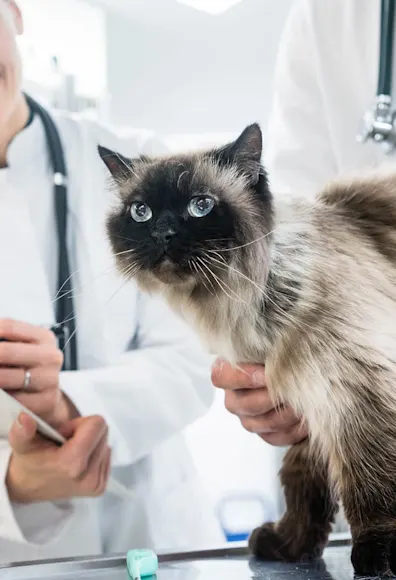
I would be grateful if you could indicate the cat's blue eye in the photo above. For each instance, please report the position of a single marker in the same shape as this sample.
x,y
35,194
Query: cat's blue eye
x,y
141,212
200,206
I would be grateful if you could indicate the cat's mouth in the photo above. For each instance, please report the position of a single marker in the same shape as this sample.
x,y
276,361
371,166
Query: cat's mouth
x,y
169,269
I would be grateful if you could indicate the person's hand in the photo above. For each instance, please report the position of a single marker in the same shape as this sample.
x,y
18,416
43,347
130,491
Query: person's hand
x,y
247,397
41,471
34,349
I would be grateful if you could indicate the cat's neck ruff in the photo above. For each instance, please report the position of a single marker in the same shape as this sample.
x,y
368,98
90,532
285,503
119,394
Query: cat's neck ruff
x,y
244,320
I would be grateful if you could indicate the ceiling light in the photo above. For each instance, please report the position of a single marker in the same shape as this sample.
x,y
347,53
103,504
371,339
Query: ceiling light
x,y
211,6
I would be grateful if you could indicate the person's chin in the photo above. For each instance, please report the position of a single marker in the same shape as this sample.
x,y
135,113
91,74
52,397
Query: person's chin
x,y
5,104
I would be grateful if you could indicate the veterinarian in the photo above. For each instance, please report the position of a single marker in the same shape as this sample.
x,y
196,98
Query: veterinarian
x,y
133,376
330,117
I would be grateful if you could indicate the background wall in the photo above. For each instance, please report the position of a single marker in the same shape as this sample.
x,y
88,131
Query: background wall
x,y
177,70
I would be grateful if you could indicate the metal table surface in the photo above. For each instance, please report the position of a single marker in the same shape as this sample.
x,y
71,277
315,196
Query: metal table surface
x,y
226,564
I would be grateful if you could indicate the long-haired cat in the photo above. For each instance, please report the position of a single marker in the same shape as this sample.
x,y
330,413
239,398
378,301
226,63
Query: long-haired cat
x,y
307,288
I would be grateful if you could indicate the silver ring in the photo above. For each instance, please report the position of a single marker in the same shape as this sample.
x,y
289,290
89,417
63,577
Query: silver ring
x,y
26,380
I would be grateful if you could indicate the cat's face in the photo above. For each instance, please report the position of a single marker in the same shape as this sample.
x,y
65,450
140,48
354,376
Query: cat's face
x,y
183,219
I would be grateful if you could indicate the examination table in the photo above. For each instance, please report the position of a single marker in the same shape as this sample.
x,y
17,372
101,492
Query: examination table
x,y
230,563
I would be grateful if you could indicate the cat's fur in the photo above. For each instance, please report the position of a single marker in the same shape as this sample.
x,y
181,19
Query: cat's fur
x,y
309,289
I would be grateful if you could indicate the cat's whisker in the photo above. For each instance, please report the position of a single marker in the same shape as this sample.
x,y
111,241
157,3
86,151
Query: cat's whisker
x,y
198,266
124,251
130,270
180,176
126,240
102,308
220,257
262,289
221,283
124,272
197,271
59,295
206,267
224,269
218,240
281,225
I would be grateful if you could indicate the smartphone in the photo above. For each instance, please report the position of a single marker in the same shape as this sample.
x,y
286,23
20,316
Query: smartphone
x,y
9,411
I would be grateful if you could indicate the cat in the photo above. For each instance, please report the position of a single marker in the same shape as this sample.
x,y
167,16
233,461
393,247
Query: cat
x,y
306,287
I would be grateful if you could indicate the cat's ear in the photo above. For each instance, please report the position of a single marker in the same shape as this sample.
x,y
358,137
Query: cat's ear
x,y
119,166
245,152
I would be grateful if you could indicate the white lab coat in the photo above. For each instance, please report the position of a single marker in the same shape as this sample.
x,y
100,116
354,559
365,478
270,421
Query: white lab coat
x,y
325,80
147,395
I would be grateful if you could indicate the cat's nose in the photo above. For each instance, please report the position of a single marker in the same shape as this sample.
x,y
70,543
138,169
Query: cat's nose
x,y
163,235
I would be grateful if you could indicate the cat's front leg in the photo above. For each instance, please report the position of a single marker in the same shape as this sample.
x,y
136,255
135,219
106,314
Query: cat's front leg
x,y
303,531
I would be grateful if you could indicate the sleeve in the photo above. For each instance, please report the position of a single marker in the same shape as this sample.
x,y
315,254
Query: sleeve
x,y
300,157
28,524
154,391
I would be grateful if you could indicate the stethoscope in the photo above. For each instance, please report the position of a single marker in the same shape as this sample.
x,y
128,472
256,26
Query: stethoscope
x,y
380,121
65,328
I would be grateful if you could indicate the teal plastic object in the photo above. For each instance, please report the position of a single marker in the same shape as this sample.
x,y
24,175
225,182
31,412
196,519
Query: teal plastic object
x,y
141,564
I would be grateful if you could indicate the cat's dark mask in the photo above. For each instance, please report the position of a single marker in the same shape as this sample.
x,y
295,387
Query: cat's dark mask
x,y
179,215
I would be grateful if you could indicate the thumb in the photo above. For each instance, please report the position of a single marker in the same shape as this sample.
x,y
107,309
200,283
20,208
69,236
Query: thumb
x,y
22,434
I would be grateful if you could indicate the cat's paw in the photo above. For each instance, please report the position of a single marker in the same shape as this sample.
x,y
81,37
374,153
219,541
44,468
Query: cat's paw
x,y
269,543
374,553
264,543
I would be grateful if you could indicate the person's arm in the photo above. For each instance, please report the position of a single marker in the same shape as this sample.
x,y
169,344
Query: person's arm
x,y
153,392
39,479
299,156
31,469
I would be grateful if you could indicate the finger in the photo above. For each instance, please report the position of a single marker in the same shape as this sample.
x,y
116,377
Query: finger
x,y
22,434
248,402
225,376
87,432
104,473
41,378
107,471
92,482
272,422
97,456
40,403
18,331
286,438
20,354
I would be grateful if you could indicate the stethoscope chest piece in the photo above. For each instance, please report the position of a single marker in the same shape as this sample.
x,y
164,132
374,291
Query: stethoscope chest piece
x,y
379,122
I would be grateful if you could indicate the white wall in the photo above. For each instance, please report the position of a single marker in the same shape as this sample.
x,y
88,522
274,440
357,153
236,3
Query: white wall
x,y
191,72
74,32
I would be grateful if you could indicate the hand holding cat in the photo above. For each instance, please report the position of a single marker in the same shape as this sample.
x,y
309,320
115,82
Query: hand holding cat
x,y
247,397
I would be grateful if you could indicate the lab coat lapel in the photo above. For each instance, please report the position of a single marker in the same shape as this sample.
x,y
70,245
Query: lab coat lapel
x,y
88,265
90,257
26,295
106,306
